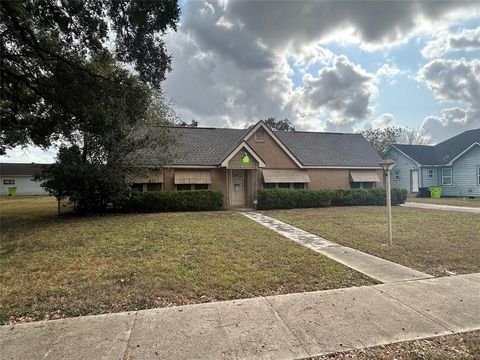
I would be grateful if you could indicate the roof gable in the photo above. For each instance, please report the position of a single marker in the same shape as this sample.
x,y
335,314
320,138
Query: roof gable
x,y
272,134
443,153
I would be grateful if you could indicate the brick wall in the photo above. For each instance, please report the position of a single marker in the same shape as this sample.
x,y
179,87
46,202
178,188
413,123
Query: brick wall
x,y
271,153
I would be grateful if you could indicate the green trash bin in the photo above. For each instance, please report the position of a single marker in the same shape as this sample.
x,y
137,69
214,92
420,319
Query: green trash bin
x,y
436,192
12,191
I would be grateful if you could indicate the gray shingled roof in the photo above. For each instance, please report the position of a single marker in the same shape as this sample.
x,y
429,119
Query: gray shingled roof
x,y
21,169
210,146
330,149
443,152
205,146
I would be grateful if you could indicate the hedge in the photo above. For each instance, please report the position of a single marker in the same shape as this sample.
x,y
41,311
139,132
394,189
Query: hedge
x,y
160,201
290,199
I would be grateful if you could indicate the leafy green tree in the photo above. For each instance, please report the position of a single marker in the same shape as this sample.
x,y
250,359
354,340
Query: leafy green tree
x,y
94,173
193,123
60,61
274,124
382,139
65,76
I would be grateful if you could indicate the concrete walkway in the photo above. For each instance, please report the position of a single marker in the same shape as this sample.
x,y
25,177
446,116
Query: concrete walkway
x,y
375,267
290,326
442,207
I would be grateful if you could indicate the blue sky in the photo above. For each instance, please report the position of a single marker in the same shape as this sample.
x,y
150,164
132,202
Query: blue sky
x,y
327,66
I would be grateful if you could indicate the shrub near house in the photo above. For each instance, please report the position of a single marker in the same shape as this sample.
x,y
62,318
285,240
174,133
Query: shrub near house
x,y
156,201
290,199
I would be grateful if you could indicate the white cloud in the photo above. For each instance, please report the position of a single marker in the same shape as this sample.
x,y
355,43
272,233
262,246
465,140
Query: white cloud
x,y
383,121
451,121
445,42
453,80
388,70
342,90
457,80
372,24
29,154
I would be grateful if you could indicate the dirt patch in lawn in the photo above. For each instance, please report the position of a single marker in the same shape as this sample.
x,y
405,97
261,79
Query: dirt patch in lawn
x,y
426,240
464,346
53,267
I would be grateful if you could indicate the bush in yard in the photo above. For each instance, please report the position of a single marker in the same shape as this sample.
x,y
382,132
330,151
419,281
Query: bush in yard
x,y
160,201
290,199
399,196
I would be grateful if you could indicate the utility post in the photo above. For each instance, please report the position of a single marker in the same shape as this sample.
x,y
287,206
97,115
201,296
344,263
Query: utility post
x,y
387,166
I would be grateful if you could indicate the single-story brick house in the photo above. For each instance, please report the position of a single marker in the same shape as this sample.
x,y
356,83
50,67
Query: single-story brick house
x,y
453,164
20,176
240,161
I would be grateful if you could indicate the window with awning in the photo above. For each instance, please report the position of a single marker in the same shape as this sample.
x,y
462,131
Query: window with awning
x,y
151,176
192,177
285,176
364,176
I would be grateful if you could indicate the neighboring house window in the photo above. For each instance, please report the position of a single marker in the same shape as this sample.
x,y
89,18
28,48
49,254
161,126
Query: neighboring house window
x,y
431,174
478,175
154,187
396,175
183,187
260,135
296,186
8,182
446,176
361,185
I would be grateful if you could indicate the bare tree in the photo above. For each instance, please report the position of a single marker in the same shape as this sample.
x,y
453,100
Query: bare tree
x,y
414,136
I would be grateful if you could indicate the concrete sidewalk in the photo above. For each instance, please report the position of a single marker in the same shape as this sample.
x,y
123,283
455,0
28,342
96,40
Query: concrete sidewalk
x,y
375,267
290,326
442,207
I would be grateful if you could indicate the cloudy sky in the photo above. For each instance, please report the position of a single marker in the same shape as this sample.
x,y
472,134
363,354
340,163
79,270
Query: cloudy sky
x,y
327,66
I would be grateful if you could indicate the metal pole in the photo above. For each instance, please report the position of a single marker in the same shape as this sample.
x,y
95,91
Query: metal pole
x,y
389,206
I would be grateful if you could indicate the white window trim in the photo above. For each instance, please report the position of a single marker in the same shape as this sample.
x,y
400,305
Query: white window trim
x,y
478,175
396,175
447,176
433,174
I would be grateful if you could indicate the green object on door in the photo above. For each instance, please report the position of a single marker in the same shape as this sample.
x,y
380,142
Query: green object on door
x,y
12,191
435,192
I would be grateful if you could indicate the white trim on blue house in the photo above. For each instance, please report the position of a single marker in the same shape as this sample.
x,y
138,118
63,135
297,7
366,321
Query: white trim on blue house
x,y
401,152
463,153
448,176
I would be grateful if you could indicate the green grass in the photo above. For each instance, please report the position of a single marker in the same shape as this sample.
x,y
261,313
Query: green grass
x,y
426,240
455,201
54,266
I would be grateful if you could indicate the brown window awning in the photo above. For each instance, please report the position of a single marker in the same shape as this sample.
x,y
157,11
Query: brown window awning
x,y
285,176
364,176
192,177
152,176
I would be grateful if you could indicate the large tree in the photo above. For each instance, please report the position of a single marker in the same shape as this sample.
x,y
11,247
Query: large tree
x,y
274,124
61,62
382,139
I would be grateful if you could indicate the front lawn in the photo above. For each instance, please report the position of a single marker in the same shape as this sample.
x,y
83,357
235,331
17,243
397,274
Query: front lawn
x,y
455,201
427,240
68,266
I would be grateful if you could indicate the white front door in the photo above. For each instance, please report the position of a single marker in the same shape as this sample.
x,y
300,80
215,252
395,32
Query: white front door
x,y
237,188
414,179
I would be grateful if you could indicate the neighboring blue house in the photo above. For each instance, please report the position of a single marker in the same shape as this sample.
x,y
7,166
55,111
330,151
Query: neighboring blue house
x,y
453,164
